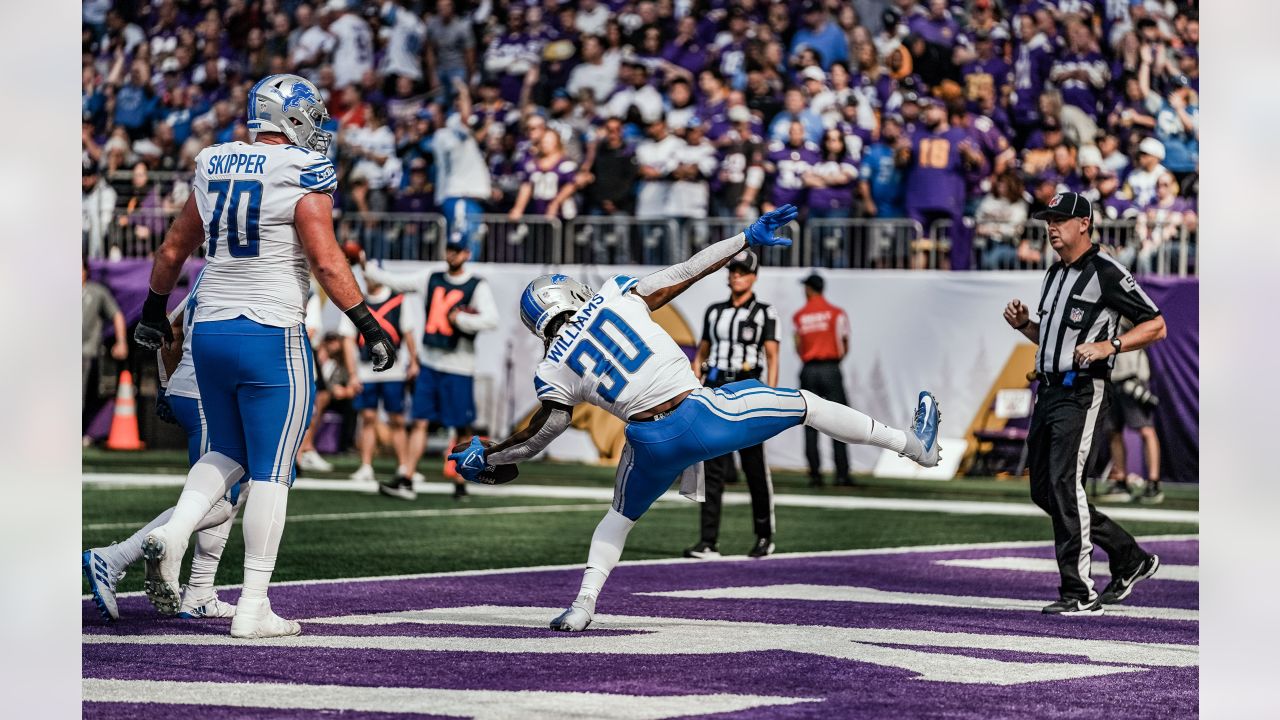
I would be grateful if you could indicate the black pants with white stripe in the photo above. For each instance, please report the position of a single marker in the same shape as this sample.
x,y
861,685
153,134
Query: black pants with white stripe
x,y
1067,422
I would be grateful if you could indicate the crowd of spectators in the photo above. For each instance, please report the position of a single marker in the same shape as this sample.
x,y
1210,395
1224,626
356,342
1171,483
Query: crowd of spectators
x,y
973,112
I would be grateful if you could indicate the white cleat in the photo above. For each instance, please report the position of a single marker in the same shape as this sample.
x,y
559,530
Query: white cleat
x,y
163,556
203,603
575,619
102,582
254,619
364,474
311,460
924,425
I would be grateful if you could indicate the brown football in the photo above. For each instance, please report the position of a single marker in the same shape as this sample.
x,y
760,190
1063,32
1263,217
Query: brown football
x,y
493,474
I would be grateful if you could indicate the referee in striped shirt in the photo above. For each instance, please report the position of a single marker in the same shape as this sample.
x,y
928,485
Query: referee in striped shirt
x,y
739,342
1076,329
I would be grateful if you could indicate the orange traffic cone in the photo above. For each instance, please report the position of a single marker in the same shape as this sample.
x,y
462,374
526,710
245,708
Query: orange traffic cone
x,y
450,467
124,419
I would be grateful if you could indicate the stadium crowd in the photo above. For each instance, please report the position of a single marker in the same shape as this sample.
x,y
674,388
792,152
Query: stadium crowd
x,y
973,113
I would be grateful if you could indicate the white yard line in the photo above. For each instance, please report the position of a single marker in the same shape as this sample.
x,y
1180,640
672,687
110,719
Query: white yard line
x,y
1001,545
385,514
1184,573
825,502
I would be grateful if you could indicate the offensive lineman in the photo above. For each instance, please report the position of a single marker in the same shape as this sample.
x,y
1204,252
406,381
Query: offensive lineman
x,y
603,348
265,209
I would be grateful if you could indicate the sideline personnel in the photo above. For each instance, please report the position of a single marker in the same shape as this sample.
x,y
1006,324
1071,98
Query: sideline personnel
x,y
822,341
1077,321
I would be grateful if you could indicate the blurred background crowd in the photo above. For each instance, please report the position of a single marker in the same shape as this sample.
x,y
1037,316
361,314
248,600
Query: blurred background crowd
x,y
944,123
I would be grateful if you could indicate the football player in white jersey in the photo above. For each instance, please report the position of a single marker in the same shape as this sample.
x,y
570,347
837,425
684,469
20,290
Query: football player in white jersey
x,y
179,402
265,209
604,348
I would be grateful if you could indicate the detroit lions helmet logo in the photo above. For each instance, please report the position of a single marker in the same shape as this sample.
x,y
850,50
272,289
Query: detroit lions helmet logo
x,y
297,94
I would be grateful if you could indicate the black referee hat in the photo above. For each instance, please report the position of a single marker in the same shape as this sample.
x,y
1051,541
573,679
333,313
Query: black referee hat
x,y
745,261
1066,205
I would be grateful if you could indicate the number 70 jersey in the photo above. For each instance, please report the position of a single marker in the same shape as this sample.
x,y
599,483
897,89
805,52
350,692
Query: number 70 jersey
x,y
246,194
612,354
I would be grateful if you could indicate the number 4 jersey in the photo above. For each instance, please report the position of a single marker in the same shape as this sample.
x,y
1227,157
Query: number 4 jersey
x,y
246,195
612,354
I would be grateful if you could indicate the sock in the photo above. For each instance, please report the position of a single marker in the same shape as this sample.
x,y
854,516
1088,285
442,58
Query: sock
x,y
123,554
210,541
264,515
606,550
850,426
208,480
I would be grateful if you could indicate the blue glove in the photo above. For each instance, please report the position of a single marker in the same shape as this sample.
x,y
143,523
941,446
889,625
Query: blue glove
x,y
470,461
761,231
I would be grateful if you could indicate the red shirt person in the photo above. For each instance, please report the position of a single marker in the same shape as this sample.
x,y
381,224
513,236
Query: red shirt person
x,y
822,340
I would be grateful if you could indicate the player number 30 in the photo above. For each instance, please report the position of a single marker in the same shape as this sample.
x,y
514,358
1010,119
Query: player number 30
x,y
613,377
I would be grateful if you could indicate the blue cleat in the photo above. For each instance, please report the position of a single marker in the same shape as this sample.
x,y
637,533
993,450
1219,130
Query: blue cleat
x,y
102,583
925,426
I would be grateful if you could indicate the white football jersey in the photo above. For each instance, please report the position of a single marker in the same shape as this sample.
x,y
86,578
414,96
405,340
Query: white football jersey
x,y
246,195
613,355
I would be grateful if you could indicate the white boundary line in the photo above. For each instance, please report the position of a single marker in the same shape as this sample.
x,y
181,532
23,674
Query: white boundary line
x,y
1002,545
602,494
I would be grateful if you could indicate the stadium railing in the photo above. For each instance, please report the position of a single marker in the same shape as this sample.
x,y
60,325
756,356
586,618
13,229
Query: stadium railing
x,y
859,242
862,243
622,240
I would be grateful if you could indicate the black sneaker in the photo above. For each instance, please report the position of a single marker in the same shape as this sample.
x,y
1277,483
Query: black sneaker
x,y
460,491
845,481
1115,491
1152,495
763,546
1073,607
1121,585
703,551
399,487
815,481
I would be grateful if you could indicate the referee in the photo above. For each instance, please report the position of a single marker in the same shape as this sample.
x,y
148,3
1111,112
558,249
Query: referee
x,y
739,342
1076,328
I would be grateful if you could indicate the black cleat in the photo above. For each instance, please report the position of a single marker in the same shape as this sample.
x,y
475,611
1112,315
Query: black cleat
x,y
1151,495
1121,585
1073,607
763,546
703,551
399,487
460,491
845,481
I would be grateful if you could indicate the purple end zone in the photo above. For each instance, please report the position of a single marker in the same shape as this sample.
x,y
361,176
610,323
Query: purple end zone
x,y
847,686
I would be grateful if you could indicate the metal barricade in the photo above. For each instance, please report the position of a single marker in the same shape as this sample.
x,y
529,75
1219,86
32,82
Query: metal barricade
x,y
860,242
533,239
136,234
394,236
622,240
700,232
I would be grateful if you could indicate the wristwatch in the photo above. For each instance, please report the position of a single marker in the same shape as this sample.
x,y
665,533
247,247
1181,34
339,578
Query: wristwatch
x,y
1115,343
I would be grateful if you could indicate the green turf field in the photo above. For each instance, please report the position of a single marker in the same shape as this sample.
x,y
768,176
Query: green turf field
x,y
333,534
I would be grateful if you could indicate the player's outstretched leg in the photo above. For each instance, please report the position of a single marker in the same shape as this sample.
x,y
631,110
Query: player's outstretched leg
x,y
850,426
606,550
264,517
164,546
199,599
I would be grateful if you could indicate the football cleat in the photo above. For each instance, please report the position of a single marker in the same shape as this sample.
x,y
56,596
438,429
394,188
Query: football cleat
x,y
254,619
460,492
311,460
1121,585
102,583
1073,607
703,551
203,603
163,557
398,487
924,425
364,474
1115,491
1151,495
763,547
575,619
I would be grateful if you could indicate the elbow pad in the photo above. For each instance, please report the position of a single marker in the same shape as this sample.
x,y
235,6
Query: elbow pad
x,y
557,423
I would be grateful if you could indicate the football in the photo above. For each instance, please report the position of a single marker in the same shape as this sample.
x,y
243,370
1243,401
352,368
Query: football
x,y
493,474
352,250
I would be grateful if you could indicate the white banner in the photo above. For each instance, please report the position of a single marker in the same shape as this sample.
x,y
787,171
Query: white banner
x,y
911,330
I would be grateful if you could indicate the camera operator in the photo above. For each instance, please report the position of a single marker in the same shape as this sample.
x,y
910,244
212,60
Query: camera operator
x,y
1133,406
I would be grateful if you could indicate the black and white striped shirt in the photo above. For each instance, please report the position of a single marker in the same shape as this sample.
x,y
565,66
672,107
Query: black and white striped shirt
x,y
1082,303
737,334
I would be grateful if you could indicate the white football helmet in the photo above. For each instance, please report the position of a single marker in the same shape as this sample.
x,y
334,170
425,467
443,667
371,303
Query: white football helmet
x,y
289,104
548,296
